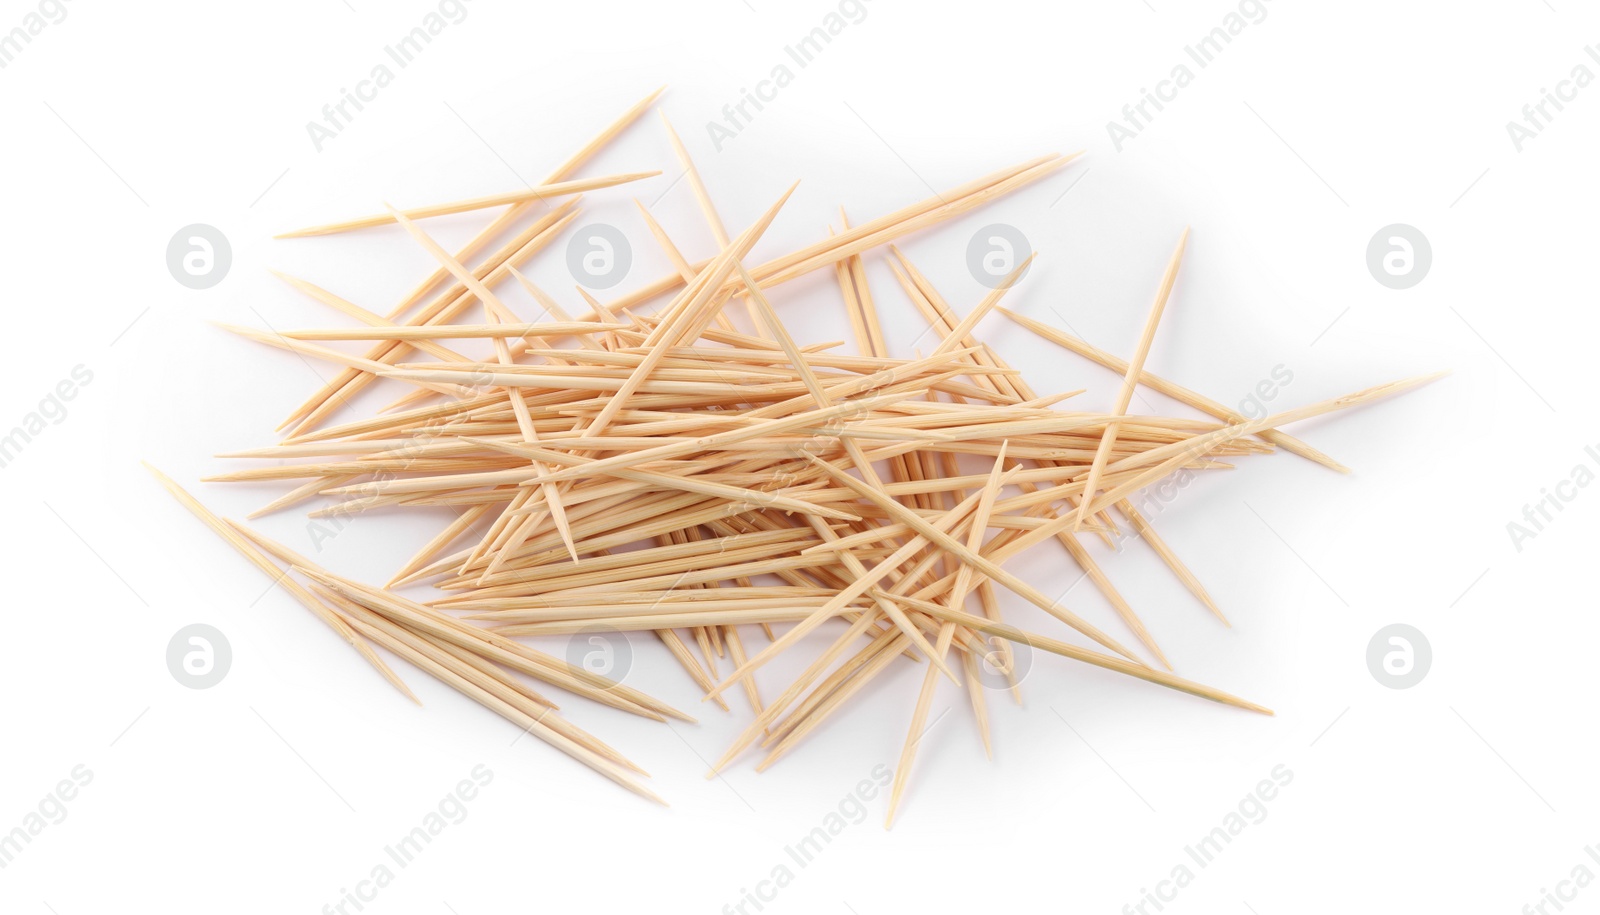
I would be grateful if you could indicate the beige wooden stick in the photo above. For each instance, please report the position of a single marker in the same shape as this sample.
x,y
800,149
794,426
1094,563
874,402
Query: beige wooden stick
x,y
957,595
1030,593
856,588
691,312
1159,677
955,337
444,538
556,311
334,356
258,559
862,624
1143,528
737,655
513,252
441,309
1176,392
1130,379
498,331
867,664
362,315
552,493
762,310
542,192
490,645
434,661
507,218
301,493
703,198
919,719
669,472
1199,444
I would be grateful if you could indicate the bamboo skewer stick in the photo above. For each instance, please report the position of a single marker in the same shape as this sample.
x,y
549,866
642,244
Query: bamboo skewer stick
x,y
363,315
702,197
302,492
1159,677
508,217
980,563
1176,392
429,332
676,474
443,308
520,247
763,313
334,356
552,494
1130,379
1143,528
1081,556
444,538
690,311
543,192
855,589
919,718
955,599
223,529
433,660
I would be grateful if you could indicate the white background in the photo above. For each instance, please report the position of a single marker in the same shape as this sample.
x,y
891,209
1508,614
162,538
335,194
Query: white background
x,y
280,787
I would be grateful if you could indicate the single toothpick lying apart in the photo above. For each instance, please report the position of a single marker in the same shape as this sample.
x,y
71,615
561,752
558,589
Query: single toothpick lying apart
x,y
614,471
